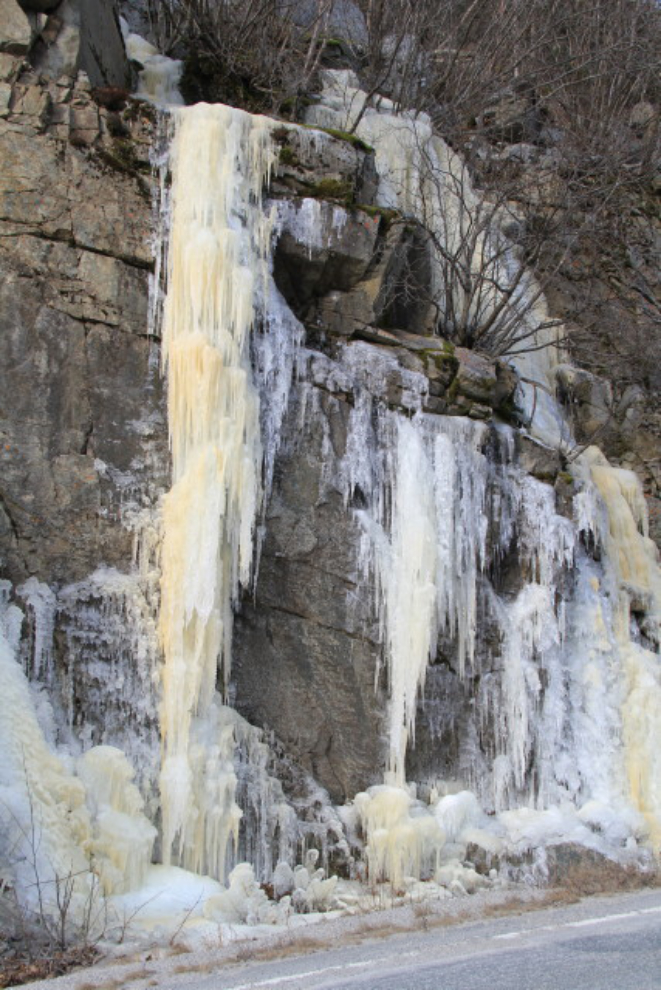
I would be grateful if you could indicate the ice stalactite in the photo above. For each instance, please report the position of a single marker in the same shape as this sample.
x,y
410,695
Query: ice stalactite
x,y
424,527
43,805
547,668
426,559
223,442
547,649
111,661
423,482
403,839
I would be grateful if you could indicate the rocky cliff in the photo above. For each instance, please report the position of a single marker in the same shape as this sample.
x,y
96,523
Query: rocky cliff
x,y
391,439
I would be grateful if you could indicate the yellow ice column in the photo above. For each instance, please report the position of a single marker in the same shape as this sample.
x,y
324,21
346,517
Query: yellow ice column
x,y
217,266
635,561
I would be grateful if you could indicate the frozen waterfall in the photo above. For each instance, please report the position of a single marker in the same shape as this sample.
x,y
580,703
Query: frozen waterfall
x,y
518,631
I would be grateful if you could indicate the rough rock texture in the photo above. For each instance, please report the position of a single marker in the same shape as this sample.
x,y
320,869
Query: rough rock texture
x,y
16,32
82,418
346,20
303,665
332,165
61,37
82,413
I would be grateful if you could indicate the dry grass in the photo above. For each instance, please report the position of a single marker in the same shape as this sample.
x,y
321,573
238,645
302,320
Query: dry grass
x,y
14,972
120,981
585,880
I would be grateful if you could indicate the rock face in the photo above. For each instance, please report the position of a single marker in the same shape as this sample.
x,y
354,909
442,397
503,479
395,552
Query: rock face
x,y
346,21
85,438
77,361
84,434
303,666
61,37
15,28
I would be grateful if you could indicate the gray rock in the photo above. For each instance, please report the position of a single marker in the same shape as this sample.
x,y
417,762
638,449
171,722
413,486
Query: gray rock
x,y
84,35
75,356
304,662
476,377
10,66
314,162
337,259
16,34
346,21
537,459
393,296
589,400
512,116
642,116
102,52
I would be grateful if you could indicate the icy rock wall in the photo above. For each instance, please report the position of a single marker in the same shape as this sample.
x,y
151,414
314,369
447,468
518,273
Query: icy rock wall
x,y
512,630
62,821
421,177
467,629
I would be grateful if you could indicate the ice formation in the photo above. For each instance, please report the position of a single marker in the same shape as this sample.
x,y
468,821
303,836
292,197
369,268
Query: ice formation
x,y
556,744
556,727
217,258
159,76
62,822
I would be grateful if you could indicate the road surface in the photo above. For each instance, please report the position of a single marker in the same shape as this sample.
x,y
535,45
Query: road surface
x,y
604,944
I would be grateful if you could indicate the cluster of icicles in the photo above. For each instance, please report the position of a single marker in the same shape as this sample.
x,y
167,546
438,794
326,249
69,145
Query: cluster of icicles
x,y
593,732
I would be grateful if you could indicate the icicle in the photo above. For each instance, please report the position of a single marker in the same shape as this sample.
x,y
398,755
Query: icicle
x,y
62,829
217,264
425,547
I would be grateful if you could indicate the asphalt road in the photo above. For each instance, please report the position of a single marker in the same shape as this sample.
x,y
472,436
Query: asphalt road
x,y
604,944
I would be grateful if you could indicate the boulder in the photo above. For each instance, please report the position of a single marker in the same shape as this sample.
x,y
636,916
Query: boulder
x,y
346,21
537,459
84,35
512,115
642,116
16,34
589,400
476,377
332,165
394,294
323,247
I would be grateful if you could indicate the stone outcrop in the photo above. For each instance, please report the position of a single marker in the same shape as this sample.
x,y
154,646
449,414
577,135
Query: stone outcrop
x,y
16,31
82,415
85,437
62,37
346,21
303,665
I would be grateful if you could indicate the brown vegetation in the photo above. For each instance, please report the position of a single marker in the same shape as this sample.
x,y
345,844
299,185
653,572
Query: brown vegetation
x,y
553,104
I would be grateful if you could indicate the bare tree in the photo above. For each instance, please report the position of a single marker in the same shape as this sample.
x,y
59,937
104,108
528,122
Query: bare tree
x,y
251,53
